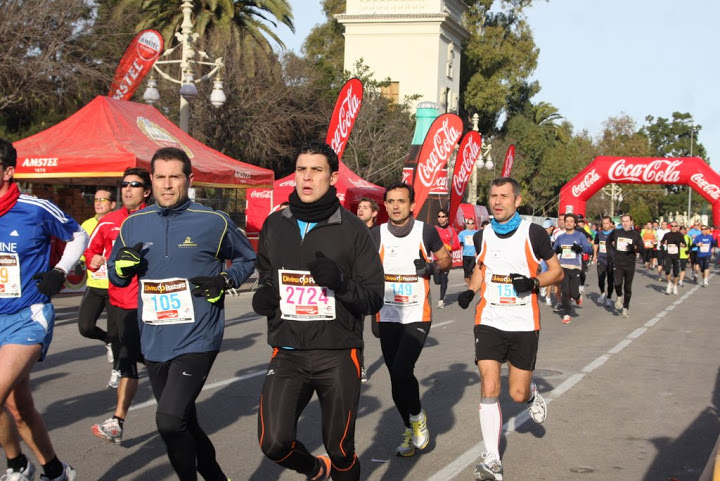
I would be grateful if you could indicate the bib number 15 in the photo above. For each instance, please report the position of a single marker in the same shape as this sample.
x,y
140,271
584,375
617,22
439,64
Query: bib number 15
x,y
506,290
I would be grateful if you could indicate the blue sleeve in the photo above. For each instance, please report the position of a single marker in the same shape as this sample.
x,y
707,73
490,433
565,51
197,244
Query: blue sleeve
x,y
587,247
58,224
236,248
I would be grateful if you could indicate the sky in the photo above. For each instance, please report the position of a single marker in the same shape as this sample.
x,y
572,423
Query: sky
x,y
606,58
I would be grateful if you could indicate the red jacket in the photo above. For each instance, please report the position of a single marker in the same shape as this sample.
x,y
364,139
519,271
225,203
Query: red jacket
x,y
449,238
101,243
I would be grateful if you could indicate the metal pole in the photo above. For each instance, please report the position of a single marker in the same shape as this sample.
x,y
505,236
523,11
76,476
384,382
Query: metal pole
x,y
185,66
612,200
692,135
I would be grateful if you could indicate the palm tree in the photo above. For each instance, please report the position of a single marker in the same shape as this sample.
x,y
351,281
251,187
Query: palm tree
x,y
546,115
241,29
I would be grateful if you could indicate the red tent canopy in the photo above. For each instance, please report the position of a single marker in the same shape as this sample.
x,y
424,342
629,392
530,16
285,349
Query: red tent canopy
x,y
107,136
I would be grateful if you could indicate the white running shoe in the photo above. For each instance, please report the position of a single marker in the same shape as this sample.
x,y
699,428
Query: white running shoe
x,y
625,313
543,291
548,301
566,319
441,304
25,474
363,375
420,431
538,408
114,381
582,289
68,474
406,447
675,290
668,291
619,303
109,430
490,469
680,283
609,303
601,299
110,357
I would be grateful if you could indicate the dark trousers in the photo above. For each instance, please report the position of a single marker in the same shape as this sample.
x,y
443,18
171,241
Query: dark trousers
x,y
570,287
401,346
441,279
176,384
292,378
91,306
128,343
623,283
606,271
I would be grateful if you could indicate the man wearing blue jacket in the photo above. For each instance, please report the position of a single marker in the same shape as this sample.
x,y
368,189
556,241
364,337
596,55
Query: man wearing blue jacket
x,y
178,250
570,246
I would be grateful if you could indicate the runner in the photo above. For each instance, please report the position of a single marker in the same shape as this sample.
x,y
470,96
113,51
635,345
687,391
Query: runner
x,y
693,233
584,229
95,299
672,242
122,311
315,350
570,245
605,262
465,237
660,254
27,316
684,255
172,246
704,243
507,319
649,242
405,320
625,243
547,291
451,242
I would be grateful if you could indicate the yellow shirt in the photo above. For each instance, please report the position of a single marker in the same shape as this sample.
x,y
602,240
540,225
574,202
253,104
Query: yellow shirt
x,y
89,226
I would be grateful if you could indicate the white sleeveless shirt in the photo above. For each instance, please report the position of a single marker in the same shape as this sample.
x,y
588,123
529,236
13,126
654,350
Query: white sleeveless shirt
x,y
406,294
500,306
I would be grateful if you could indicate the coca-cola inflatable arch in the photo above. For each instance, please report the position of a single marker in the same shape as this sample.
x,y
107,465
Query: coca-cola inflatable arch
x,y
692,171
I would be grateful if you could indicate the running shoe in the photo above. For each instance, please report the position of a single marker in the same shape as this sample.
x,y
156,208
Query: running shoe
x,y
625,313
582,289
675,290
543,291
705,283
25,474
681,284
420,431
548,301
579,300
538,407
324,470
109,430
68,474
363,375
114,381
660,278
567,319
619,303
601,299
490,469
441,304
558,307
609,303
110,357
669,289
406,447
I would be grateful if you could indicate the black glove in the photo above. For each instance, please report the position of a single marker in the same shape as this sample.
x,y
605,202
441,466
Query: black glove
x,y
465,298
630,248
127,260
326,272
266,300
523,283
211,288
422,266
558,249
576,248
50,282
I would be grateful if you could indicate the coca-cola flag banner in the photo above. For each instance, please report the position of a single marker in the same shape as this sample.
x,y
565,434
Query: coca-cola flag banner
x,y
468,153
691,171
343,117
436,150
136,63
509,159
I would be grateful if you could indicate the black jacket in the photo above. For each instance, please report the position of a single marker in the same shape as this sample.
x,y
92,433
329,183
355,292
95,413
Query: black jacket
x,y
343,238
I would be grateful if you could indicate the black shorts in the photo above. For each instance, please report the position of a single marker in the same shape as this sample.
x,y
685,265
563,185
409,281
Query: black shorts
x,y
683,264
517,348
468,265
704,263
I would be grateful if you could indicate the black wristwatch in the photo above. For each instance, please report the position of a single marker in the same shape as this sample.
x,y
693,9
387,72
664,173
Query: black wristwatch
x,y
536,282
229,283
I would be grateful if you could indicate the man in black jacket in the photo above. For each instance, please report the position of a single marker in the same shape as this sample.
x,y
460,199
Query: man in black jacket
x,y
626,244
320,273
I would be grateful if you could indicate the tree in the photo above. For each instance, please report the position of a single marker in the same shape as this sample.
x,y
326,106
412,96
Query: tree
x,y
241,28
325,45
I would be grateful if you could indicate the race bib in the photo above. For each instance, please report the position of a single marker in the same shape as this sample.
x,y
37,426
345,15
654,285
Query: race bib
x,y
166,301
100,274
302,300
501,292
705,248
648,244
567,253
602,248
401,290
10,285
468,240
672,249
623,243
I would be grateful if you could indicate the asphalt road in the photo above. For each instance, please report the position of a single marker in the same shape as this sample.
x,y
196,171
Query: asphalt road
x,y
628,399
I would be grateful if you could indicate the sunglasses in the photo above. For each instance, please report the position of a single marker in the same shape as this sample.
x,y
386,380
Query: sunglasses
x,y
132,183
671,225
442,216
470,222
100,200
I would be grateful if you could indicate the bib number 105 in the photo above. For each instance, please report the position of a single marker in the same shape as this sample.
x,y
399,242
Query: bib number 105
x,y
306,296
165,302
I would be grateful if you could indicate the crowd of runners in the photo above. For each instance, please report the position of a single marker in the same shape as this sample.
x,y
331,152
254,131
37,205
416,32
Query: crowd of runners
x,y
161,271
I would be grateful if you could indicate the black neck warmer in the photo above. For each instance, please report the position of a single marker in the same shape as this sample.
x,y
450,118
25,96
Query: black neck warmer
x,y
316,211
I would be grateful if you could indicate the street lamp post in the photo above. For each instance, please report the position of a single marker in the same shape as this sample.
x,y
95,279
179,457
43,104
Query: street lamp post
x,y
188,65
692,136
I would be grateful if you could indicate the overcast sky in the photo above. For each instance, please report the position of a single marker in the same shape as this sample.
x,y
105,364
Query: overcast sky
x,y
600,59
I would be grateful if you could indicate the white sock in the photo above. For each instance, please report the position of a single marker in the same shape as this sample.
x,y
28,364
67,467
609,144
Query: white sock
x,y
490,424
416,417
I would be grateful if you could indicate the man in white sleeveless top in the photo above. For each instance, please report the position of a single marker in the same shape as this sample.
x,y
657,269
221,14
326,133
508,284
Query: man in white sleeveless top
x,y
507,317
